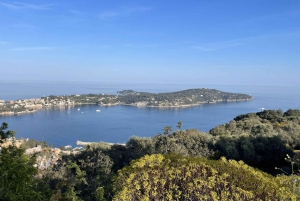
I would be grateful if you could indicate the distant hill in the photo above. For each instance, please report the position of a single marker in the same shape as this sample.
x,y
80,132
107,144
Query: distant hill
x,y
189,97
185,98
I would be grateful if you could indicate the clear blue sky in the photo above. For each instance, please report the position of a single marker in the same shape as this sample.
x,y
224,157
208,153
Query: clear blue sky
x,y
251,42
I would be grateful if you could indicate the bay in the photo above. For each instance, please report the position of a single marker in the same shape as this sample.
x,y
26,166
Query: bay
x,y
116,124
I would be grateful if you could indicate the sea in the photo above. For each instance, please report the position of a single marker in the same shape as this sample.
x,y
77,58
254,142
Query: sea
x,y
116,124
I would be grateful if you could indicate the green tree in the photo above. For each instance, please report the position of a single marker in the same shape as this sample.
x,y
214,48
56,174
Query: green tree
x,y
4,133
167,130
162,144
138,147
260,151
179,125
97,168
17,171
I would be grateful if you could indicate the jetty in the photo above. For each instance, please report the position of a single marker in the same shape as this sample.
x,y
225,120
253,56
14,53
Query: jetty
x,y
80,143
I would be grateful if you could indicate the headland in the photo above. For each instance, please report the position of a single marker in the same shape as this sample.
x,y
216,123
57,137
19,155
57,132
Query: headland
x,y
184,98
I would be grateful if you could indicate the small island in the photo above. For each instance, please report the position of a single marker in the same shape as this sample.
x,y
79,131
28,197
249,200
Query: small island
x,y
184,98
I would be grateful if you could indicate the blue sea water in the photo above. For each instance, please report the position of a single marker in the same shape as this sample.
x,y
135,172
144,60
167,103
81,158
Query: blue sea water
x,y
64,126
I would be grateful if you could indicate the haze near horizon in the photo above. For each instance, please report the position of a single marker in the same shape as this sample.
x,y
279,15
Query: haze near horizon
x,y
204,42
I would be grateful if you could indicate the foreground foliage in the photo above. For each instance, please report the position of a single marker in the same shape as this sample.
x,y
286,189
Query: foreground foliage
x,y
173,165
266,123
17,181
174,177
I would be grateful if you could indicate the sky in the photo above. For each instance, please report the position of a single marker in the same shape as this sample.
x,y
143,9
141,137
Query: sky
x,y
235,42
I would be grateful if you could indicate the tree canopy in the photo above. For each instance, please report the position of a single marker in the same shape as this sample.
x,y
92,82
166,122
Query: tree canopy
x,y
17,171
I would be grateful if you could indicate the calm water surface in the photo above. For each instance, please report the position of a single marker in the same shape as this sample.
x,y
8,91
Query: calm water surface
x,y
64,126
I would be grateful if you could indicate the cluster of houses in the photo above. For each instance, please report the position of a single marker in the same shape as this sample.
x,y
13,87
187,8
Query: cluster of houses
x,y
27,105
57,102
39,102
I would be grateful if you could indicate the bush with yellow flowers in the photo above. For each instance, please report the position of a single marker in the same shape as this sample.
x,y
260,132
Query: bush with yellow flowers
x,y
174,177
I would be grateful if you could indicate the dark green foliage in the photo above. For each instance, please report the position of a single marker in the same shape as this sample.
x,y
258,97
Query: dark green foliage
x,y
261,140
260,151
272,116
185,97
163,141
119,155
16,175
62,180
99,194
185,142
83,176
138,147
4,133
17,171
179,125
291,112
267,123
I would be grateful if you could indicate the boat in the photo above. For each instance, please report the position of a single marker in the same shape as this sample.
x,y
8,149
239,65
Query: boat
x,y
98,110
78,109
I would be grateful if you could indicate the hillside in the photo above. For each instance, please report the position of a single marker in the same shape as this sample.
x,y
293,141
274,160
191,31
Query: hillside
x,y
240,160
185,98
189,97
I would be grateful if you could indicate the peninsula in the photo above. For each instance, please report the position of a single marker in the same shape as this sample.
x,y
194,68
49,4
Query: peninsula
x,y
185,98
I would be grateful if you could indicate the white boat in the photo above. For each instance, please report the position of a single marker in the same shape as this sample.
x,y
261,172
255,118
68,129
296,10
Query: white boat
x,y
78,109
98,110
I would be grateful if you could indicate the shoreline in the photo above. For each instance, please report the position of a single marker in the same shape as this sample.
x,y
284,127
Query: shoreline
x,y
10,113
178,99
81,143
18,113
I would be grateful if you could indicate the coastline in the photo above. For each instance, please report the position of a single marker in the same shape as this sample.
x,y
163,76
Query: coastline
x,y
179,99
199,117
17,113
81,143
10,113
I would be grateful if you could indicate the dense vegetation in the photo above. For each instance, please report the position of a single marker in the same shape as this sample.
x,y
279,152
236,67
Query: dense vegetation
x,y
174,177
17,172
173,165
185,97
267,123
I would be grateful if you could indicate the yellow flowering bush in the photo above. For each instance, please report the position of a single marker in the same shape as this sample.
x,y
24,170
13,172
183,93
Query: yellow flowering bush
x,y
174,177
